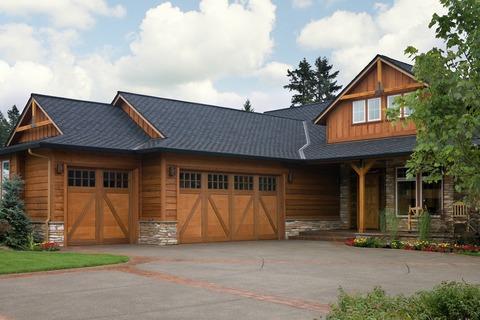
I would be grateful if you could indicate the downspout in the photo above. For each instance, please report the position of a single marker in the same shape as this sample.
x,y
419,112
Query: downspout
x,y
47,221
307,138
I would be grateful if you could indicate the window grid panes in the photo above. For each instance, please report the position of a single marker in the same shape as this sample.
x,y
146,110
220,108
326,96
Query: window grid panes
x,y
267,183
217,181
115,179
243,182
358,111
81,178
190,180
374,109
406,192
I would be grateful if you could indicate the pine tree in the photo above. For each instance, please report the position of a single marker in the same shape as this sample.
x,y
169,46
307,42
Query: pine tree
x,y
12,210
4,129
247,106
302,81
13,115
325,83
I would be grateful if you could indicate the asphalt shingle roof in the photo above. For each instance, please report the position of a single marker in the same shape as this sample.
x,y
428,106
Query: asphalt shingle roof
x,y
306,112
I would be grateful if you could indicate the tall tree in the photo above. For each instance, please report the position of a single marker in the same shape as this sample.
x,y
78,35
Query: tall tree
x,y
325,84
247,106
13,115
447,112
4,129
302,81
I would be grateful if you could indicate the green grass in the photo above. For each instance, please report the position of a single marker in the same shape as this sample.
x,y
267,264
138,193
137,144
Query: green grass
x,y
477,254
31,261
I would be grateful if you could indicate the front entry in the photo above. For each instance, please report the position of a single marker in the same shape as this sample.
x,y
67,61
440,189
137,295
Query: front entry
x,y
372,200
98,206
226,207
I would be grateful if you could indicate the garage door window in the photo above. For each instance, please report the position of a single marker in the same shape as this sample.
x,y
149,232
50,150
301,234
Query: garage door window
x,y
267,183
81,178
190,180
217,181
243,182
115,179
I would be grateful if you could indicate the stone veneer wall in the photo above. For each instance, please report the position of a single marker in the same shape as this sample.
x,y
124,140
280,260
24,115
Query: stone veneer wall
x,y
442,223
56,231
157,232
293,227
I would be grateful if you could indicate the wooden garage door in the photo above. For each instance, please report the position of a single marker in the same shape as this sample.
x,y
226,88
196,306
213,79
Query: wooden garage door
x,y
225,207
98,206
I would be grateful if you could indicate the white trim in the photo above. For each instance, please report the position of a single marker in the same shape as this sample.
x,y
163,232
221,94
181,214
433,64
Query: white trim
x,y
364,111
307,137
379,109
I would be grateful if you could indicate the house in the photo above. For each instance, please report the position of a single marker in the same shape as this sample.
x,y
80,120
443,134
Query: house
x,y
144,169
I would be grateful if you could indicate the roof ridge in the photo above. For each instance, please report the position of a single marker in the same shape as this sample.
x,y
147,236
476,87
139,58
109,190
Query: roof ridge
x,y
302,106
205,105
70,99
390,58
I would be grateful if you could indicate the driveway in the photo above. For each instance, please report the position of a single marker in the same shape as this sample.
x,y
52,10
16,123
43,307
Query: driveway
x,y
237,280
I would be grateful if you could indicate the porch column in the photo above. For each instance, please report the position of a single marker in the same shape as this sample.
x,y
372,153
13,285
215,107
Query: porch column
x,y
361,172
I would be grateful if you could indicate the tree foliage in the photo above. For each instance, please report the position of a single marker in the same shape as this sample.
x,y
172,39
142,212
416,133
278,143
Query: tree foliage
x,y
12,210
247,106
312,84
7,124
447,112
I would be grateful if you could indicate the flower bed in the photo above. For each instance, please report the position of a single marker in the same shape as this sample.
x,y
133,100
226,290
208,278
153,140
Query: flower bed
x,y
373,242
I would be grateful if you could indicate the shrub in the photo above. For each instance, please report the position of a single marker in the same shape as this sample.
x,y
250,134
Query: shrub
x,y
12,210
383,221
447,301
424,221
392,222
397,244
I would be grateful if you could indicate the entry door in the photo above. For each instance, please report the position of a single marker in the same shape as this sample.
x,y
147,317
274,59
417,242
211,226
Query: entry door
x,y
372,193
98,206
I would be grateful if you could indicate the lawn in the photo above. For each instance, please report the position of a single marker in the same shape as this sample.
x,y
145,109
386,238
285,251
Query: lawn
x,y
31,261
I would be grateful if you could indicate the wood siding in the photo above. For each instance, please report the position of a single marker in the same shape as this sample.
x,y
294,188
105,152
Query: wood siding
x,y
36,187
314,193
339,122
151,188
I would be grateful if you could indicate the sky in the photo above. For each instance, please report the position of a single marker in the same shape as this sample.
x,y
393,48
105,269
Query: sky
x,y
211,51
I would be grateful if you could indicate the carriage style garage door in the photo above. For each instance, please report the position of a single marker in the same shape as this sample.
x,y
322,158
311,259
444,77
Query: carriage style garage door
x,y
98,206
226,207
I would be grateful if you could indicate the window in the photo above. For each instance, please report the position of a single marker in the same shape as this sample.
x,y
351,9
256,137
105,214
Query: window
x,y
391,101
267,183
358,111
115,179
81,178
432,196
217,181
404,111
5,174
374,109
190,180
406,192
243,182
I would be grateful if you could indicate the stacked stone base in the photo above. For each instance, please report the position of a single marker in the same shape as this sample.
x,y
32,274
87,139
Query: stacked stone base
x,y
294,227
55,231
158,232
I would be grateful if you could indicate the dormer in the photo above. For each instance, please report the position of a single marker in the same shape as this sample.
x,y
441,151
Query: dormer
x,y
359,111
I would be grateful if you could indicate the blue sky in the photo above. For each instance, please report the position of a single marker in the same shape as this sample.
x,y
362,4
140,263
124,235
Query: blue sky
x,y
213,51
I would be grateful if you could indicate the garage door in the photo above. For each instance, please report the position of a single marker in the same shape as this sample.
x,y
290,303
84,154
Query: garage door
x,y
216,206
98,206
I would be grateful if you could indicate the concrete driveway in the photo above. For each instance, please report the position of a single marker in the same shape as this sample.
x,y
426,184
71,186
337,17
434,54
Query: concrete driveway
x,y
239,280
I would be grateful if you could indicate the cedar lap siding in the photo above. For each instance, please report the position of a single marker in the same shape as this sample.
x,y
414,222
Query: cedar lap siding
x,y
149,170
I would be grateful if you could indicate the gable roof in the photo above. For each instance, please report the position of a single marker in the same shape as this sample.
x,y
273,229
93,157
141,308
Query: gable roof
x,y
396,64
307,112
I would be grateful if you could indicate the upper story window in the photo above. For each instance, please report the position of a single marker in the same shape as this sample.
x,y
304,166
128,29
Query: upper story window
x,y
374,109
404,111
358,111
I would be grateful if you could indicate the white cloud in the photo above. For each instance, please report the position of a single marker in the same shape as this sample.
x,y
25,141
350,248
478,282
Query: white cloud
x,y
355,38
63,13
18,43
302,3
174,54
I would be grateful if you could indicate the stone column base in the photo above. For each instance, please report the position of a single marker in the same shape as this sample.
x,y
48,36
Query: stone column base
x,y
157,232
55,234
294,227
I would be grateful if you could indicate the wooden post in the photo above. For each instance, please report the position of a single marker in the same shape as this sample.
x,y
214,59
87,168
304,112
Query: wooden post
x,y
379,76
361,172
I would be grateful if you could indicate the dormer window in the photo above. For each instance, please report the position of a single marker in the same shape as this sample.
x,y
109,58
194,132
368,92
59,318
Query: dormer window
x,y
374,109
404,111
358,111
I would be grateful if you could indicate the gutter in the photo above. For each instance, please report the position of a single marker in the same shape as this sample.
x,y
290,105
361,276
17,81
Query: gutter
x,y
307,137
47,221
